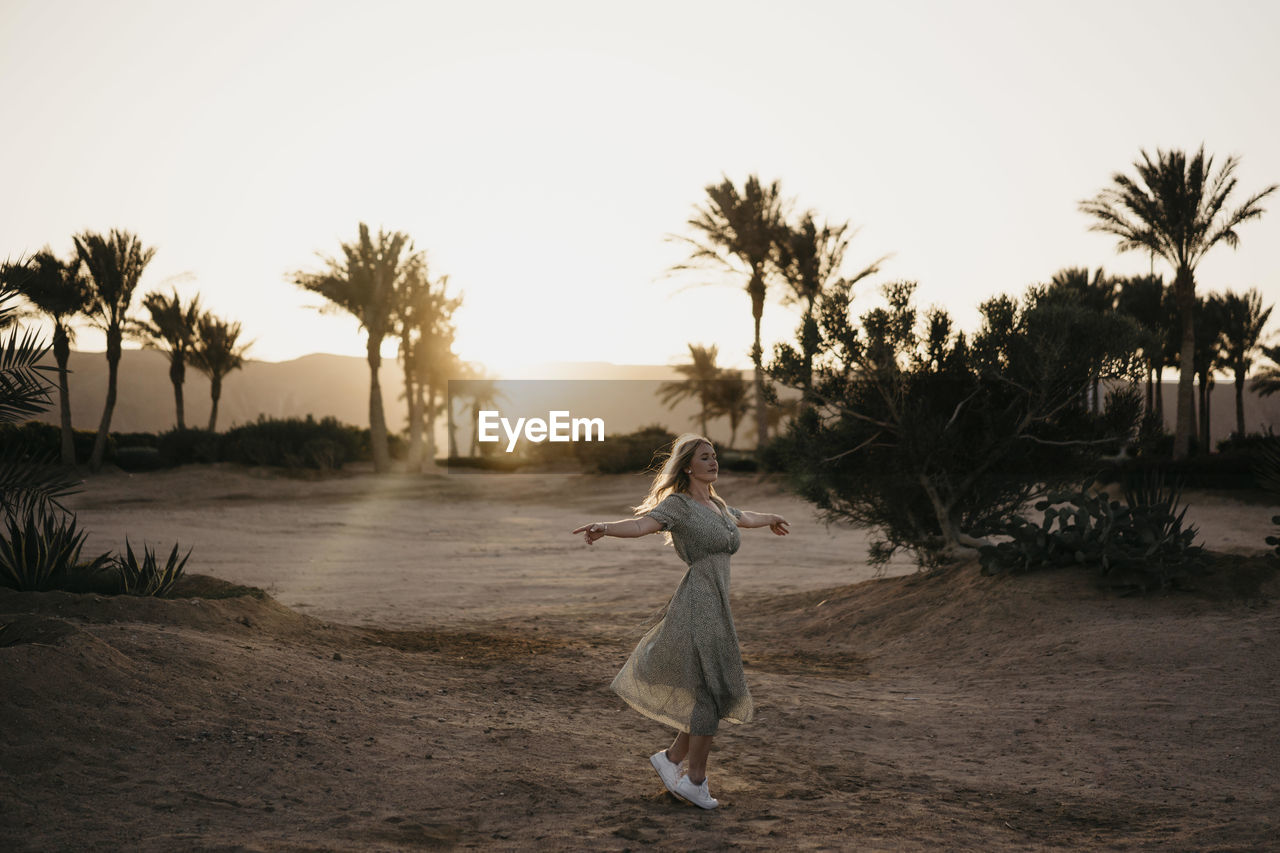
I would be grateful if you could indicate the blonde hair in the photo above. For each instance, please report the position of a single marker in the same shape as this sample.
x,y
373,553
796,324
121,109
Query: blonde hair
x,y
672,476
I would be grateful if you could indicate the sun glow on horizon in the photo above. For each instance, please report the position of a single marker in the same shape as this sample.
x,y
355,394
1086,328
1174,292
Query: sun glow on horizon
x,y
542,155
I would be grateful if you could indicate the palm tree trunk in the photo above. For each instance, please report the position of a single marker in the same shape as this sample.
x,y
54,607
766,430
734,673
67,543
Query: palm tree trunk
x,y
452,426
215,392
62,354
1160,391
474,449
1206,403
104,426
427,406
1185,291
756,289
377,419
177,375
1150,388
1240,378
808,346
415,417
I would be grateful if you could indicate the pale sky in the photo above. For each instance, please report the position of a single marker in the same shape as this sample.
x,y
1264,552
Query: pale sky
x,y
541,152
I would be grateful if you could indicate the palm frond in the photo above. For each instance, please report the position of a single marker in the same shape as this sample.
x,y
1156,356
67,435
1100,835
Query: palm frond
x,y
32,479
24,386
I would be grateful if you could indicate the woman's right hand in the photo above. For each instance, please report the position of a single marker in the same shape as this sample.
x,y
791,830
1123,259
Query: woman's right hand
x,y
592,532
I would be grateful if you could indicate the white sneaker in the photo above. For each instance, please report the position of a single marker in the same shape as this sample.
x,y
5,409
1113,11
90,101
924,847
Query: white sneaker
x,y
699,795
668,771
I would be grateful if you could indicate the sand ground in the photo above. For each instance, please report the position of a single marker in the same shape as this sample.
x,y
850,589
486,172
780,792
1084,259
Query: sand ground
x,y
430,670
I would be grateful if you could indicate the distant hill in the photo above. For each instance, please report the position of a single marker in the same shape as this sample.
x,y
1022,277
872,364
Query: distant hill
x,y
336,385
319,385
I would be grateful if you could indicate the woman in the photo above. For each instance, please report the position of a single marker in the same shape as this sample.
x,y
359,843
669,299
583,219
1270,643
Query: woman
x,y
687,670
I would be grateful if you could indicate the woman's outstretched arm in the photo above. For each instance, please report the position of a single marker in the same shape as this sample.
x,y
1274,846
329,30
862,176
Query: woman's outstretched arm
x,y
774,522
628,528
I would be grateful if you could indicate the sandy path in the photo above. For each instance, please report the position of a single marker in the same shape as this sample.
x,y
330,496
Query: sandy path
x,y
409,552
921,713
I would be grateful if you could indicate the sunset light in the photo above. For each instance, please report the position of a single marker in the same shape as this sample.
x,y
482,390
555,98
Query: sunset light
x,y
542,153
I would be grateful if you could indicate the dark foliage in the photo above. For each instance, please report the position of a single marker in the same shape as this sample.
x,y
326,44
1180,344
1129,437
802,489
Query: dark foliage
x,y
42,439
625,454
1139,543
187,446
486,463
138,459
932,440
323,445
40,550
1234,471
146,576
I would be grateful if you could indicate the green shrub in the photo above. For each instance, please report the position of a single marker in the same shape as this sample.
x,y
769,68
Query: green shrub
x,y
136,439
1233,469
1141,543
1251,443
40,550
147,577
627,453
45,440
140,459
295,443
739,461
485,463
187,446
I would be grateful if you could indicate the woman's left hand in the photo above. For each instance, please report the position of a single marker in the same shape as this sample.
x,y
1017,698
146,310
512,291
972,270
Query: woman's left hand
x,y
591,532
779,525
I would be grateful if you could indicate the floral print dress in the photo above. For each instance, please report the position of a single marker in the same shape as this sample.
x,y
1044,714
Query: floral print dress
x,y
687,670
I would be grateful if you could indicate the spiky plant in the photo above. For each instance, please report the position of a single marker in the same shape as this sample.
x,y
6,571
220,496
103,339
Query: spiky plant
x,y
40,550
147,576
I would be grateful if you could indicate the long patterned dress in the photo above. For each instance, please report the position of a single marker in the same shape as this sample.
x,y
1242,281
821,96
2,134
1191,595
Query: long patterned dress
x,y
687,670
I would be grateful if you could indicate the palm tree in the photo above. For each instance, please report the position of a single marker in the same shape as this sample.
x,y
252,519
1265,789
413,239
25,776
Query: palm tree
x,y
739,231
437,364
1142,298
422,312
115,264
809,258
59,291
1176,209
1243,319
364,284
701,374
216,352
1208,358
731,398
172,329
484,395
1267,380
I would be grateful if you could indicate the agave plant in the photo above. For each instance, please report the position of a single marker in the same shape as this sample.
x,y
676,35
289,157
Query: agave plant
x,y
146,577
40,550
1145,544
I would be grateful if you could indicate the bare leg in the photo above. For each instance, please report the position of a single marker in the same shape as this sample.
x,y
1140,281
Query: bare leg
x,y
699,749
679,748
